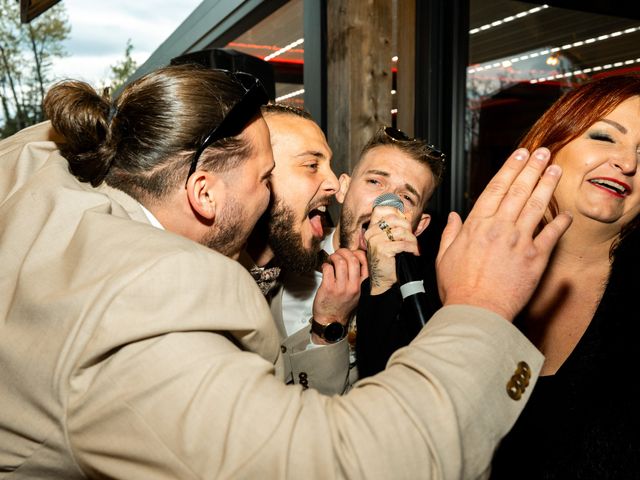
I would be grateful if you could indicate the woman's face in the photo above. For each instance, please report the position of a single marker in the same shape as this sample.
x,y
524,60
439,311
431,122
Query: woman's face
x,y
600,179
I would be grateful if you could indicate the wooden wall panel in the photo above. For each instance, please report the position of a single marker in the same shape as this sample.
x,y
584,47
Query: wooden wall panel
x,y
358,75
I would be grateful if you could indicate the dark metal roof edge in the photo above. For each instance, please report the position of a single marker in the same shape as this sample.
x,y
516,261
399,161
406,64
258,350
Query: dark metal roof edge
x,y
209,21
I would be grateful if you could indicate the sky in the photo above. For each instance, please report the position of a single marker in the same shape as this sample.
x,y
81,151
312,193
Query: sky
x,y
99,33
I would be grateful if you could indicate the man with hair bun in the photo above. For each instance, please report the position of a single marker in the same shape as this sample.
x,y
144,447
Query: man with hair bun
x,y
131,346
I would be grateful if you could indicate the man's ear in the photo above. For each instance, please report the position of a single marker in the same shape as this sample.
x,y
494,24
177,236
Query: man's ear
x,y
202,192
425,219
345,181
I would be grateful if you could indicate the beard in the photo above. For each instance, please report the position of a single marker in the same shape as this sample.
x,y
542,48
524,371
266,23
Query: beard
x,y
287,244
347,226
227,235
350,229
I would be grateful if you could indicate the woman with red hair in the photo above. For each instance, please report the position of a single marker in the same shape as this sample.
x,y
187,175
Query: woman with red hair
x,y
582,419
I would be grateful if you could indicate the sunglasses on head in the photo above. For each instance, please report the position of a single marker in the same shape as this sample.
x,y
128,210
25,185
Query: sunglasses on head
x,y
238,116
399,136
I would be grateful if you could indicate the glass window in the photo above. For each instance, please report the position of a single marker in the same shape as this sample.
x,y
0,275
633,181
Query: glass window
x,y
279,39
522,57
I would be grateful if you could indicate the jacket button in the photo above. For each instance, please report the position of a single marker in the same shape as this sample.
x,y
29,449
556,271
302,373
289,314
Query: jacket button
x,y
513,390
283,349
519,381
524,370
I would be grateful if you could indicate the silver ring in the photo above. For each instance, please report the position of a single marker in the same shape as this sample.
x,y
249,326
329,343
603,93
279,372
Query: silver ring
x,y
383,225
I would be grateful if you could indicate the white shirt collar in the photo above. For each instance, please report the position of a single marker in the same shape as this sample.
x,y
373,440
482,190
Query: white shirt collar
x,y
152,219
327,242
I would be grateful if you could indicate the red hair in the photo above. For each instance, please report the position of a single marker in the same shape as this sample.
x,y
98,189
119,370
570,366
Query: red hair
x,y
573,113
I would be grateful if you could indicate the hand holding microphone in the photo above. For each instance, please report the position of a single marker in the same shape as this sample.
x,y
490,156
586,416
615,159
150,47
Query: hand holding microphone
x,y
392,250
388,235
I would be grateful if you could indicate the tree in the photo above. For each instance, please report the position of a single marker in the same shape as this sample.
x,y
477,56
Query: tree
x,y
123,69
26,55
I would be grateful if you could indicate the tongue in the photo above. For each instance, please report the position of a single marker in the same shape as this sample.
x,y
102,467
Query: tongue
x,y
316,225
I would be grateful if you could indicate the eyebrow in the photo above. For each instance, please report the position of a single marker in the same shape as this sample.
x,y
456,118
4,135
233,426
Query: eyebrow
x,y
312,153
408,186
616,125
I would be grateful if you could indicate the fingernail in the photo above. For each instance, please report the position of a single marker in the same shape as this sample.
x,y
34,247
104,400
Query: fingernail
x,y
542,153
554,170
521,154
450,217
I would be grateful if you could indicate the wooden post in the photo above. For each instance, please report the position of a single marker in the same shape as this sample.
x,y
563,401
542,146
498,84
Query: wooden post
x,y
358,75
406,79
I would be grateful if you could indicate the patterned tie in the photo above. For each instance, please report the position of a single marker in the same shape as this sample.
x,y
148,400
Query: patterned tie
x,y
266,278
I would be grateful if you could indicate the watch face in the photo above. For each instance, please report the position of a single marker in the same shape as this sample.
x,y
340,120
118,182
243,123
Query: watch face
x,y
334,332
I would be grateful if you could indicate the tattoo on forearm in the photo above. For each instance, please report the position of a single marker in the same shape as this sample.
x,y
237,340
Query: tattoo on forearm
x,y
374,273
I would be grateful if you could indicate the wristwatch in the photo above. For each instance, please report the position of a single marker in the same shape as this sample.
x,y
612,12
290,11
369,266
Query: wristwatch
x,y
332,332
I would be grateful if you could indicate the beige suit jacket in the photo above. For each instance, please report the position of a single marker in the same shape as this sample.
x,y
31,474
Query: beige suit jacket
x,y
324,368
129,352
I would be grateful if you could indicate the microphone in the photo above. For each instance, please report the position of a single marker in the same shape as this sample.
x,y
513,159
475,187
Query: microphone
x,y
411,287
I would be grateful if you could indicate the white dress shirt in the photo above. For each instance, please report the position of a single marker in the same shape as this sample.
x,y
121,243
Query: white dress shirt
x,y
299,292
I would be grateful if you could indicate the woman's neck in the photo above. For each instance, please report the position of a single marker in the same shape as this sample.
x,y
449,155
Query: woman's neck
x,y
585,243
569,292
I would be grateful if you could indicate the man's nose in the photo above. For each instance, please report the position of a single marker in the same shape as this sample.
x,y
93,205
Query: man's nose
x,y
330,184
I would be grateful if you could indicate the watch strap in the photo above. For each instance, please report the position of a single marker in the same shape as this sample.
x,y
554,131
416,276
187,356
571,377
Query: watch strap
x,y
331,332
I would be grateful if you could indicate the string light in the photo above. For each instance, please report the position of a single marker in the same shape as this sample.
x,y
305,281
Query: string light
x,y
284,49
508,19
585,70
290,95
546,51
553,60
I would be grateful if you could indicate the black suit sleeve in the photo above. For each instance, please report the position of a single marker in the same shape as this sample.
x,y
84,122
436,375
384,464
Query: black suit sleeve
x,y
381,330
384,323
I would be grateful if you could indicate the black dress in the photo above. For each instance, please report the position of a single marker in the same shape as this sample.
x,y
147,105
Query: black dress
x,y
584,421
